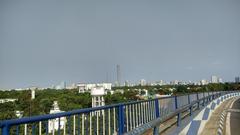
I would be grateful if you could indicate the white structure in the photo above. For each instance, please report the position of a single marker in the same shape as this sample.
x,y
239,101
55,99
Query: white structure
x,y
203,82
214,79
143,82
19,114
97,96
87,87
53,124
220,80
33,93
7,100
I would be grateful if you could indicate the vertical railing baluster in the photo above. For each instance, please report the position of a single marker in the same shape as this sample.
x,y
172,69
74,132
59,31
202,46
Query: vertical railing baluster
x,y
130,115
127,121
114,121
90,123
136,114
97,124
104,124
40,128
86,123
141,108
133,113
59,126
139,114
109,121
83,124
74,124
25,129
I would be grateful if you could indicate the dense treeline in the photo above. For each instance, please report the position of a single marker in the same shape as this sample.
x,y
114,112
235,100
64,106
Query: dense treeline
x,y
183,89
71,99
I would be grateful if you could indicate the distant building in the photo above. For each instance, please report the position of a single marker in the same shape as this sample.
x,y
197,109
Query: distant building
x,y
175,82
61,86
214,79
143,82
97,94
88,87
237,79
220,80
19,114
53,124
126,83
33,93
203,82
7,100
72,86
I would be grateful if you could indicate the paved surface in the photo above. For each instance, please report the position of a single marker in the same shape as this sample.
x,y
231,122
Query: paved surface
x,y
233,128
233,119
212,125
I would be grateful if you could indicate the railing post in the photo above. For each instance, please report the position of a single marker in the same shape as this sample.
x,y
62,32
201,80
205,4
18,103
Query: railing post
x,y
213,96
203,99
178,115
156,128
198,101
121,119
190,108
5,130
209,98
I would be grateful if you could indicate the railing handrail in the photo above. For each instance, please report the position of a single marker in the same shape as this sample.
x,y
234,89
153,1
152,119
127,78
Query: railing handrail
x,y
25,120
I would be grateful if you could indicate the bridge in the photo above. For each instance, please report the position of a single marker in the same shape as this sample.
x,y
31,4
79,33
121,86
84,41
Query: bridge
x,y
139,117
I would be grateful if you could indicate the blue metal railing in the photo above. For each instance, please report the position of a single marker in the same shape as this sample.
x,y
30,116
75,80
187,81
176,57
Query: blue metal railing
x,y
110,119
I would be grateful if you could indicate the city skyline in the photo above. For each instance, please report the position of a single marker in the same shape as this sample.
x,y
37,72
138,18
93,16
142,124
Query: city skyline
x,y
83,41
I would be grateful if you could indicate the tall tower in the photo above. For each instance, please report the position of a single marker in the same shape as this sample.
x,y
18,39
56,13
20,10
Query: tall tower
x,y
118,75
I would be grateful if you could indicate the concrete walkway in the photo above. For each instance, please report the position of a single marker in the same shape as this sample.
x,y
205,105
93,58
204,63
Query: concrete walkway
x,y
212,125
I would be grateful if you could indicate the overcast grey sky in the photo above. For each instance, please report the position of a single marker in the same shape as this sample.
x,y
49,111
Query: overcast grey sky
x,y
46,42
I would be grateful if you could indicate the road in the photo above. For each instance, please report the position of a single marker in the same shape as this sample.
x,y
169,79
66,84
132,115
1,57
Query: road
x,y
233,119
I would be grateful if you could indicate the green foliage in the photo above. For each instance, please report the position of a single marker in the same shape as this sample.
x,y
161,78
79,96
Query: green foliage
x,y
71,99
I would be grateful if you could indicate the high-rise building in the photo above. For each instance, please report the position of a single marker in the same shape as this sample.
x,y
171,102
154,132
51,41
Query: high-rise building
x,y
118,75
237,79
214,79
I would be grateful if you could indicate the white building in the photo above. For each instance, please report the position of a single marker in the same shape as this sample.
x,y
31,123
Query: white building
x,y
32,93
7,100
53,124
214,79
220,80
97,94
143,82
203,82
88,87
19,114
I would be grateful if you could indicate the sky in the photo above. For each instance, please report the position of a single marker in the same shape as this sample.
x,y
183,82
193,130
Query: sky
x,y
43,43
